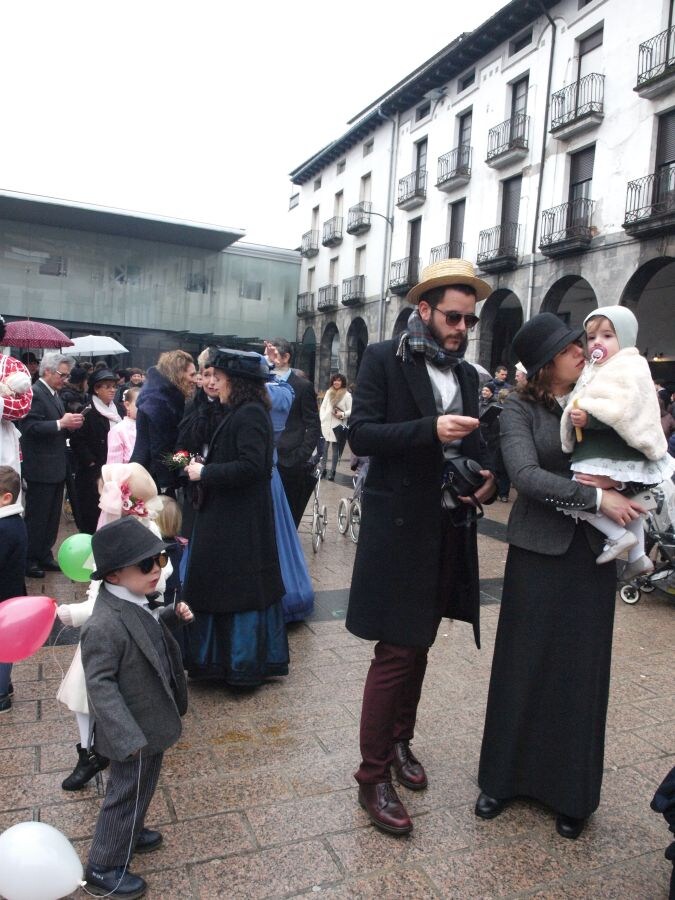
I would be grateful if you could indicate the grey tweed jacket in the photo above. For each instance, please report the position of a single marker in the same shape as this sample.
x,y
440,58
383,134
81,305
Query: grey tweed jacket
x,y
134,705
540,472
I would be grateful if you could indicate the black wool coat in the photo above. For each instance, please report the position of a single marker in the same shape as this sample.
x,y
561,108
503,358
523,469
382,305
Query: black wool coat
x,y
395,584
233,564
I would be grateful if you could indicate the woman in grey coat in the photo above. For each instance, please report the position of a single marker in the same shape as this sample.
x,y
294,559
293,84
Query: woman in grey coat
x,y
545,720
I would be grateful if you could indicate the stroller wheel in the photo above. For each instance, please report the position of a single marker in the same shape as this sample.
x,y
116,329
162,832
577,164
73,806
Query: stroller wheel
x,y
629,594
647,587
343,515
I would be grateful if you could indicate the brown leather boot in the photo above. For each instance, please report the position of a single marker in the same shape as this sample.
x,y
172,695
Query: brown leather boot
x,y
408,769
384,808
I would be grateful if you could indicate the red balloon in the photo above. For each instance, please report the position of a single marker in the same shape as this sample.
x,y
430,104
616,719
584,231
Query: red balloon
x,y
25,623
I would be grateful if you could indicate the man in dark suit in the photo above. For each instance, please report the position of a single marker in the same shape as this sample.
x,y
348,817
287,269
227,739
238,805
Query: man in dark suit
x,y
415,410
43,446
301,433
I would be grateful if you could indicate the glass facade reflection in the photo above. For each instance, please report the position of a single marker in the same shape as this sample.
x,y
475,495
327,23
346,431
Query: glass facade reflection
x,y
151,296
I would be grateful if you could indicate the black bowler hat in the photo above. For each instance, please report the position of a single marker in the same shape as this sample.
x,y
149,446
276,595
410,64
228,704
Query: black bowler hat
x,y
102,375
241,364
124,542
538,341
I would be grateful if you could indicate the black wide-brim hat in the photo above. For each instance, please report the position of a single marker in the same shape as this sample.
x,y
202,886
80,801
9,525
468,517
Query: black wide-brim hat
x,y
540,339
124,542
102,375
241,364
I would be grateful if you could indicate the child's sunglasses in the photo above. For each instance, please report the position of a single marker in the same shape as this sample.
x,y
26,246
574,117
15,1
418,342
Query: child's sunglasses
x,y
146,565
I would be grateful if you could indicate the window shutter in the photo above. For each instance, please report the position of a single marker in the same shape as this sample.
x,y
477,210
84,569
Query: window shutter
x,y
665,151
581,168
511,200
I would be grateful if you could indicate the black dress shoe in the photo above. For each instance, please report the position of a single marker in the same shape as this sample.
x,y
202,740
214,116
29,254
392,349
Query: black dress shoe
x,y
408,769
51,566
488,807
384,808
117,881
330,476
34,571
147,841
569,827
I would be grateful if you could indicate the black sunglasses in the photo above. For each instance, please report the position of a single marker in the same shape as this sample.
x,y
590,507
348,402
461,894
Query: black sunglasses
x,y
454,318
147,565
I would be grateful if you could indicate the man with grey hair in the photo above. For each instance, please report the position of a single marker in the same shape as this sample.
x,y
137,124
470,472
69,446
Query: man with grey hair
x,y
43,445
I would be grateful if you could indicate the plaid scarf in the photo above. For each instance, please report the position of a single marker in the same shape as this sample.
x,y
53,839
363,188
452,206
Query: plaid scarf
x,y
418,339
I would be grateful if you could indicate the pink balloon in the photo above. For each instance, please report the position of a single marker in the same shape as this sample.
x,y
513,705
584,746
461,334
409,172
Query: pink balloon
x,y
25,623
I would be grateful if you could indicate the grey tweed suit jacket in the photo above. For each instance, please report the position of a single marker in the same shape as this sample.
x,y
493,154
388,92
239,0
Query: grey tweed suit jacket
x,y
134,705
540,472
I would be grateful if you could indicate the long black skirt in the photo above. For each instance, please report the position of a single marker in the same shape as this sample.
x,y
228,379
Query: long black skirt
x,y
544,732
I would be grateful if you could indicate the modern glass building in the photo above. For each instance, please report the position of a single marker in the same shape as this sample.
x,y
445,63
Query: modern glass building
x,y
152,283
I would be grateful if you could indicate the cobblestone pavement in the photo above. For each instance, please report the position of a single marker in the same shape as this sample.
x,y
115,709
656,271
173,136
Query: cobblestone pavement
x,y
257,800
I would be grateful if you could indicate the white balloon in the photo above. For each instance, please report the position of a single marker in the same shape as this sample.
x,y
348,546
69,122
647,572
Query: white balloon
x,y
37,862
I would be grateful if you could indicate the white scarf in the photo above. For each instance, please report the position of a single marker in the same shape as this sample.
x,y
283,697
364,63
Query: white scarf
x,y
109,411
12,509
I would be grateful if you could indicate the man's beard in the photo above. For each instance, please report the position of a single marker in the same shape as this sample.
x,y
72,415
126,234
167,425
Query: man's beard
x,y
461,348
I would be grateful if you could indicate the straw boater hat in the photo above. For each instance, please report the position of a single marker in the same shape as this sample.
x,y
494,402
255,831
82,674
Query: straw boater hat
x,y
446,273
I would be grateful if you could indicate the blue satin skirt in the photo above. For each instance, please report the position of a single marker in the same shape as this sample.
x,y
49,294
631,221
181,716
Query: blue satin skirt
x,y
298,601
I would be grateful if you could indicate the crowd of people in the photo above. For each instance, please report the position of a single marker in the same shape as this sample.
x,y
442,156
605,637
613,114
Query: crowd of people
x,y
155,463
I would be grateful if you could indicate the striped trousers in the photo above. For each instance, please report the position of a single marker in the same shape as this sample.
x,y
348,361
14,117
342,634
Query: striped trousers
x,y
120,821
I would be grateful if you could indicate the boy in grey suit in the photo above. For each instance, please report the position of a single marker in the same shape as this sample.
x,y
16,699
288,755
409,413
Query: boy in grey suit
x,y
137,694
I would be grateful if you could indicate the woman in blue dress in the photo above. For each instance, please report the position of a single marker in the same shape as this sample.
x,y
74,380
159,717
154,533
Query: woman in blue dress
x,y
233,579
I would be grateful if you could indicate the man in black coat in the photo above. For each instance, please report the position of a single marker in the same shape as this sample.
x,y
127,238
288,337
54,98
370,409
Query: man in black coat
x,y
415,409
301,433
43,446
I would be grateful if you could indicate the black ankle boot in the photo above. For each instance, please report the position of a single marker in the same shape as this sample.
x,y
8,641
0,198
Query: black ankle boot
x,y
88,764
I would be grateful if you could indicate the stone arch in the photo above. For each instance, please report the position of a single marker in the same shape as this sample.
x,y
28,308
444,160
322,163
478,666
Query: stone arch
x,y
501,316
648,293
329,355
357,341
571,298
402,321
306,353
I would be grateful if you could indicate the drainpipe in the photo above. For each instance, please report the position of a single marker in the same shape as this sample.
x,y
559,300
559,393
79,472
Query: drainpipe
x,y
386,256
530,289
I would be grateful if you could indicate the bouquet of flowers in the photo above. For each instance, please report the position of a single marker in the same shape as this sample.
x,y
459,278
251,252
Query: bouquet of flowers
x,y
180,459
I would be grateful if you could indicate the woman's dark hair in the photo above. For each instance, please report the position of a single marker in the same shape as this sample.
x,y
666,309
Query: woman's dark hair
x,y
334,377
246,390
538,388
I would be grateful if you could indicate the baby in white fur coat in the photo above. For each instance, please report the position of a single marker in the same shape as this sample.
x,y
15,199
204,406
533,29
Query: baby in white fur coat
x,y
612,427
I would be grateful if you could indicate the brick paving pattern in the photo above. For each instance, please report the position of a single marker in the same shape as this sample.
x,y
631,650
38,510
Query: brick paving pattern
x,y
257,800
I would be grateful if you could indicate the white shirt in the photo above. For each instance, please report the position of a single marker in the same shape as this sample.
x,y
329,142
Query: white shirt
x,y
444,381
137,599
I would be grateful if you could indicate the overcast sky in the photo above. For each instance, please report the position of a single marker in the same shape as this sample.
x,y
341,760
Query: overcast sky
x,y
198,110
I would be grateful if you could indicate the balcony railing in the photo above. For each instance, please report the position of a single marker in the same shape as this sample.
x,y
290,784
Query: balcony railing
x,y
580,100
656,58
306,303
358,217
310,244
412,189
332,232
650,203
509,136
498,247
403,274
567,228
454,167
451,250
328,297
353,290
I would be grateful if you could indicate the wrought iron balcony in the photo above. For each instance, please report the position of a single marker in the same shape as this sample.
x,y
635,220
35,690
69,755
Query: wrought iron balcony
x,y
353,290
404,274
306,303
358,218
498,247
412,189
332,232
328,297
656,65
508,141
451,250
454,168
650,204
578,106
567,228
310,244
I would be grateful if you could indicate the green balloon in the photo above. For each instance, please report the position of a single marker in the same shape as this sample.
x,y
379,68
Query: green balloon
x,y
73,554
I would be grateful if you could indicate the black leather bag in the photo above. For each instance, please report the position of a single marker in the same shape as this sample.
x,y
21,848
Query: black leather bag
x,y
461,478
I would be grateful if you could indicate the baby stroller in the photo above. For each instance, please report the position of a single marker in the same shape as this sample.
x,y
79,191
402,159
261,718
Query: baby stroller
x,y
659,545
349,508
319,511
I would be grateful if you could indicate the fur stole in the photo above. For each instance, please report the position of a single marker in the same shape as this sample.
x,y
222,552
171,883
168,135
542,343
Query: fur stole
x,y
620,393
336,397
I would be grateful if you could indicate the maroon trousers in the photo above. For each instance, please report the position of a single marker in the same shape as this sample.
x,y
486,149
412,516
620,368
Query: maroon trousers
x,y
390,698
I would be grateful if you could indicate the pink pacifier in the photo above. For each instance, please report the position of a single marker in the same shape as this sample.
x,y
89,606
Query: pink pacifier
x,y
598,353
